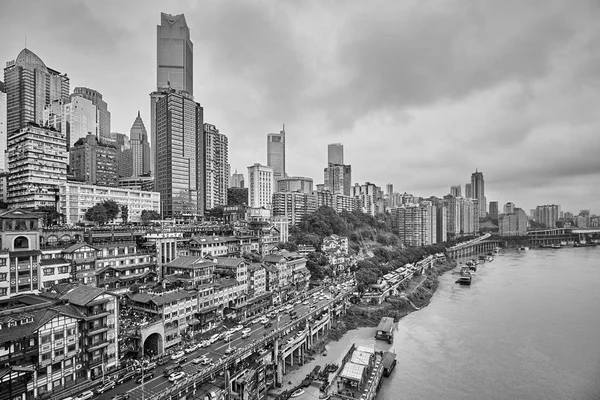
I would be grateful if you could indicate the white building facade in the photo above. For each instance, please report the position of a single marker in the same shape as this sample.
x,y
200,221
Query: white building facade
x,y
260,186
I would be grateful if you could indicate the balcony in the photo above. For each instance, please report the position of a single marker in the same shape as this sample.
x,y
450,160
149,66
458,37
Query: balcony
x,y
97,345
23,266
25,281
97,329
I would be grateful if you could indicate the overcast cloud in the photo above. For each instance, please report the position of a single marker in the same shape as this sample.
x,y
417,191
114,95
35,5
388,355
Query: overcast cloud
x,y
421,93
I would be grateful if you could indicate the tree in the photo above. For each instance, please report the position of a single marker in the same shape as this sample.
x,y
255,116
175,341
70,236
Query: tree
x,y
52,217
112,209
97,214
125,213
365,277
216,212
149,215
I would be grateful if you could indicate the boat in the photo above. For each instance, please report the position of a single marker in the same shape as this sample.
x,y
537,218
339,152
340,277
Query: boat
x,y
389,363
464,280
489,258
523,248
385,330
297,392
359,375
584,244
563,243
554,246
482,258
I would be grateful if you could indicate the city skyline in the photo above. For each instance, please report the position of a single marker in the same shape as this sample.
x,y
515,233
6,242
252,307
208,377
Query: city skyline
x,y
523,90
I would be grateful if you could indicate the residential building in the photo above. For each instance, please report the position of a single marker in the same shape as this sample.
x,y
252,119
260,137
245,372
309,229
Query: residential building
x,y
77,198
30,86
456,191
117,271
214,246
335,154
180,165
94,162
104,133
338,178
196,270
493,213
76,118
293,205
37,160
232,267
478,188
469,191
260,186
460,216
124,155
257,280
413,224
282,226
513,224
3,130
548,215
144,183
217,166
237,180
140,149
175,69
509,208
335,242
369,198
276,153
441,221
338,202
165,244
295,184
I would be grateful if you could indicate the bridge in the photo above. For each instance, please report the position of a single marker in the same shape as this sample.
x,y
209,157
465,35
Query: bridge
x,y
562,236
478,245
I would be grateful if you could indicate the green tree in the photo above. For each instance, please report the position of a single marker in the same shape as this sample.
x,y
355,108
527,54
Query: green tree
x,y
112,209
125,213
149,215
216,212
51,217
97,214
365,277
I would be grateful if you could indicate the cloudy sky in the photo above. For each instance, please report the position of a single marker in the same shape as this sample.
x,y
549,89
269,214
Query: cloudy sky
x,y
421,93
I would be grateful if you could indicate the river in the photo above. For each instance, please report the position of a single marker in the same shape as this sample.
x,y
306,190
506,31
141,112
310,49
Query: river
x,y
527,328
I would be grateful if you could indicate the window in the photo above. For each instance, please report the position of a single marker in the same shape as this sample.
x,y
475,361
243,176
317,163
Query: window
x,y
3,291
68,362
59,335
48,271
46,339
59,352
21,242
71,348
70,331
63,270
46,356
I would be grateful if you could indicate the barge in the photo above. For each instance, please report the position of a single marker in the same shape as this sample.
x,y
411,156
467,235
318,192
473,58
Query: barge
x,y
385,330
389,363
464,280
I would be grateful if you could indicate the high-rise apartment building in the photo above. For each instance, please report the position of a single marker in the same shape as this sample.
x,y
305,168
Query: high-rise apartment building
x,y
548,215
441,223
140,148
509,208
513,224
237,180
94,162
338,178
461,216
335,154
104,133
493,210
180,155
276,153
30,86
413,224
37,160
456,191
293,205
124,154
76,118
260,186
369,198
295,184
217,166
478,188
174,68
469,191
3,131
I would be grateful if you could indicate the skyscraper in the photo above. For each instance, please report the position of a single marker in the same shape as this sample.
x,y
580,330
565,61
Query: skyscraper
x,y
180,171
260,186
30,86
94,162
217,166
276,153
237,180
456,191
76,118
338,179
124,155
478,188
509,208
140,148
3,139
494,209
469,191
335,154
548,215
104,134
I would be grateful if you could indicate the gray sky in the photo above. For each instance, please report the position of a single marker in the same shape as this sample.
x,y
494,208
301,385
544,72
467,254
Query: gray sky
x,y
419,92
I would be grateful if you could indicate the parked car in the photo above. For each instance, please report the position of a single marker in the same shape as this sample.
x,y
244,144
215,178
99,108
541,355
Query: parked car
x,y
175,376
178,355
146,377
204,343
191,348
245,335
230,350
171,369
121,396
88,394
162,361
214,338
238,328
149,366
108,385
268,324
125,377
246,330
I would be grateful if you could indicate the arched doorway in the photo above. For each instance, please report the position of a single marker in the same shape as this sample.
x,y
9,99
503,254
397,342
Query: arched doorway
x,y
153,345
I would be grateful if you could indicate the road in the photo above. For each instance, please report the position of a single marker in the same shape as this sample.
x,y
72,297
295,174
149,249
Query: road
x,y
215,351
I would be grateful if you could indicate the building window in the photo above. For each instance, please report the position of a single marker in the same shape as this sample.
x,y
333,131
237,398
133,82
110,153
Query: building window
x,y
46,356
48,271
3,291
21,242
63,270
59,352
71,348
59,335
46,339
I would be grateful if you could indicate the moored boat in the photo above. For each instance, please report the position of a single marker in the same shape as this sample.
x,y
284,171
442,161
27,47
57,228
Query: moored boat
x,y
464,280
297,392
523,248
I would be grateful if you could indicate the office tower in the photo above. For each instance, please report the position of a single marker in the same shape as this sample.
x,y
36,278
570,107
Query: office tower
x,y
237,180
94,162
369,198
478,189
3,139
276,153
389,189
260,186
30,86
337,179
509,208
548,215
468,191
294,205
76,118
335,154
217,166
104,134
174,68
140,149
456,191
180,153
493,209
37,160
124,154
295,184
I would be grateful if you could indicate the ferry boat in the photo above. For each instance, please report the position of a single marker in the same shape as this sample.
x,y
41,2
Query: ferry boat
x,y
385,330
584,244
465,280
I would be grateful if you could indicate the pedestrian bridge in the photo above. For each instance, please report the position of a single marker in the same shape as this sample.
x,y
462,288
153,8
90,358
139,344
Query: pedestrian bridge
x,y
478,245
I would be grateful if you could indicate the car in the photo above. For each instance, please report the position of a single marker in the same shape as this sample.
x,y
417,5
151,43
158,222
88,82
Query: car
x,y
171,369
108,385
204,343
191,348
247,330
125,377
305,302
177,355
214,338
162,361
290,340
121,396
268,325
146,377
181,361
88,394
222,335
175,376
245,335
238,328
230,350
150,366
197,360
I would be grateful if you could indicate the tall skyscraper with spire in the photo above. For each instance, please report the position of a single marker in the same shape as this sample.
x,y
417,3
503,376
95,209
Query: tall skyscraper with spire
x,y
139,147
174,68
478,192
276,153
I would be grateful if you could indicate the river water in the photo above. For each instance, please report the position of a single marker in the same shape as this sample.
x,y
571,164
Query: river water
x,y
527,328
